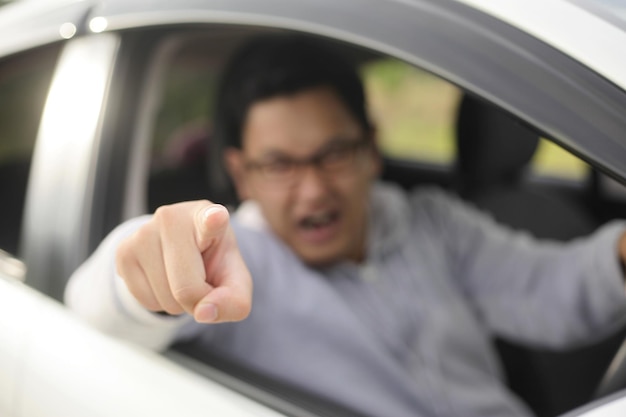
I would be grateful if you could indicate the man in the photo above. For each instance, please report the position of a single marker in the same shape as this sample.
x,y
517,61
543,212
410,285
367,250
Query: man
x,y
381,301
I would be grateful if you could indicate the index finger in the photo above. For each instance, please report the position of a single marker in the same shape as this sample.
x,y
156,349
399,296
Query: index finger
x,y
182,253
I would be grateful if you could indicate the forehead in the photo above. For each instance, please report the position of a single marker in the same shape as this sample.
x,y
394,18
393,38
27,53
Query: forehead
x,y
298,123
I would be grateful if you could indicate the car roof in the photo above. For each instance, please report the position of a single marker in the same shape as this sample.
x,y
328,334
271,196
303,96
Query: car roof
x,y
30,23
595,39
593,36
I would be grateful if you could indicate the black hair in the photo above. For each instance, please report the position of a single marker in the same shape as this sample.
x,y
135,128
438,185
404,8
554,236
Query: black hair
x,y
275,65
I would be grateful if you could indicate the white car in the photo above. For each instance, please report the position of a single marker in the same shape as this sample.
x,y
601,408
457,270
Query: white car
x,y
105,114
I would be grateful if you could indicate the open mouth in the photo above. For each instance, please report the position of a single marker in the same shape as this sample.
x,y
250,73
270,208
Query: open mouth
x,y
319,227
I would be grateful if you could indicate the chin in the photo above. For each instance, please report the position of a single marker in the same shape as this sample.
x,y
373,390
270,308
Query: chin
x,y
321,259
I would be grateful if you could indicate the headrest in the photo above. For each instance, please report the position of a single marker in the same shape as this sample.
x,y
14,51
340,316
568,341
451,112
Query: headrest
x,y
493,148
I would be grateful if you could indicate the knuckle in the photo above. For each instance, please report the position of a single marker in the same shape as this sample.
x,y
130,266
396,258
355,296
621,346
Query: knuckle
x,y
142,235
187,295
166,215
128,273
126,251
143,296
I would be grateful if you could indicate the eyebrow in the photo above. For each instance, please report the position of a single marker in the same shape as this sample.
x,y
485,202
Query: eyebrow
x,y
274,154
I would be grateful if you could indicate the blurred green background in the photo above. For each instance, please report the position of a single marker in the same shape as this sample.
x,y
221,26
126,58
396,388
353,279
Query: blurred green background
x,y
415,112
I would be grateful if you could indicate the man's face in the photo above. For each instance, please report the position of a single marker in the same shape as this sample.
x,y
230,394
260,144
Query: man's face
x,y
309,165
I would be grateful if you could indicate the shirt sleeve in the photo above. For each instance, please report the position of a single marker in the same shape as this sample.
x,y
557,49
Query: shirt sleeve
x,y
97,294
543,293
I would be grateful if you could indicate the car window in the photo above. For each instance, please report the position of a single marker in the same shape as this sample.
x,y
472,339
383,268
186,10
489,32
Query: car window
x,y
414,111
415,114
24,82
552,161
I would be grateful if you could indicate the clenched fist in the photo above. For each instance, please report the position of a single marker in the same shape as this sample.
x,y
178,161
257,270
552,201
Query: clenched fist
x,y
186,259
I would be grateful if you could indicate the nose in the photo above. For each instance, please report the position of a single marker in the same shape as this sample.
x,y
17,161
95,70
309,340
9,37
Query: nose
x,y
312,184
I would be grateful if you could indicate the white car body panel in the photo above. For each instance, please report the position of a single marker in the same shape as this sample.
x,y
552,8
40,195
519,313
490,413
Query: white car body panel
x,y
55,365
578,33
615,408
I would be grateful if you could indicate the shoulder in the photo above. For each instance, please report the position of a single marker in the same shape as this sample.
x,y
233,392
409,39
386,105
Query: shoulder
x,y
425,194
397,214
433,196
437,202
442,211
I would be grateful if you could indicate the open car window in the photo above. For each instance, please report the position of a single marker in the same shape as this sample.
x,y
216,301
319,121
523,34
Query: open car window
x,y
416,114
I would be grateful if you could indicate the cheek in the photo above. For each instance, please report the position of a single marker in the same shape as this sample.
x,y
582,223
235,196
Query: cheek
x,y
358,183
275,208
356,191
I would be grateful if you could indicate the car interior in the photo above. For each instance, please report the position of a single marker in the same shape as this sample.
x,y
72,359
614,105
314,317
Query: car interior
x,y
488,165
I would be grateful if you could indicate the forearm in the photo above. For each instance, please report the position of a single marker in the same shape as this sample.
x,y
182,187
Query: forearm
x,y
537,292
555,295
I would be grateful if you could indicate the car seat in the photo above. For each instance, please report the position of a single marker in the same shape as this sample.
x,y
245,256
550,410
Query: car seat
x,y
188,168
494,151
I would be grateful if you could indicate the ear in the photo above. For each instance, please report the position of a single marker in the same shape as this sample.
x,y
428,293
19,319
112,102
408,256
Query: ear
x,y
233,159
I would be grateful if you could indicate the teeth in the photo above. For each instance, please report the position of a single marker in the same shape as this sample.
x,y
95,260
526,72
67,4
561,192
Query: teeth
x,y
317,221
323,218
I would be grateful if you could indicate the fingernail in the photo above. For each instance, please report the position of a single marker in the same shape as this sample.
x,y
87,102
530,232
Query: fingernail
x,y
213,209
206,313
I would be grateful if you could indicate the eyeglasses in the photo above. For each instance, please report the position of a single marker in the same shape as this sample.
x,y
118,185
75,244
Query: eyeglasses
x,y
336,158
